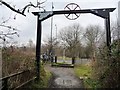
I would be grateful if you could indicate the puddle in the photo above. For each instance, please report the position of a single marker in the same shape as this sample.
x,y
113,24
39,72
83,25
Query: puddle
x,y
66,81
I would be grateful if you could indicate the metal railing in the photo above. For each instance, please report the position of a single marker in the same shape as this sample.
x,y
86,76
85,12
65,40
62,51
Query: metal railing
x,y
6,84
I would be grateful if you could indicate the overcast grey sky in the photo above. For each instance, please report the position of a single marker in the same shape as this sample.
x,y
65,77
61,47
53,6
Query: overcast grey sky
x,y
27,25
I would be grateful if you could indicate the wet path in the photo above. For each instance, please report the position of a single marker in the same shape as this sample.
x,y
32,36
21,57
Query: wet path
x,y
64,78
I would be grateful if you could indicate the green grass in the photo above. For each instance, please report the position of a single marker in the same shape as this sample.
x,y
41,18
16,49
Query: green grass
x,y
66,58
91,83
58,63
63,64
83,71
44,79
86,71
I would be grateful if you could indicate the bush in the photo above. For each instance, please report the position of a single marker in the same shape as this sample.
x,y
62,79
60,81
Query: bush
x,y
85,72
17,60
106,68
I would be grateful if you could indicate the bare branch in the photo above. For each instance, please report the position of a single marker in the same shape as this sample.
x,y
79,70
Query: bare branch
x,y
28,6
9,37
9,27
4,21
38,3
25,7
7,5
9,33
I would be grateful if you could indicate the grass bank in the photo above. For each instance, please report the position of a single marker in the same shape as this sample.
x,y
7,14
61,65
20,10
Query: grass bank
x,y
44,79
85,72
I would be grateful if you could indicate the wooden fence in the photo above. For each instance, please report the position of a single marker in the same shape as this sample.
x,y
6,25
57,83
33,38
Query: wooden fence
x,y
17,80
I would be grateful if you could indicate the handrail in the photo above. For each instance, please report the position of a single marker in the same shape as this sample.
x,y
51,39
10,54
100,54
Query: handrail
x,y
25,83
6,78
12,75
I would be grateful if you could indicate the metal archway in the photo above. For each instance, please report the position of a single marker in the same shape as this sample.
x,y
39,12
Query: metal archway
x,y
103,13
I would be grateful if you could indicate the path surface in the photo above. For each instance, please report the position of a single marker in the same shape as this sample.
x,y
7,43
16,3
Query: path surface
x,y
64,78
80,61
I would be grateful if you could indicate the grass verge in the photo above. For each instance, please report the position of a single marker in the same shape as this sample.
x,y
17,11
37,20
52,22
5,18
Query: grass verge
x,y
85,73
62,65
66,58
44,79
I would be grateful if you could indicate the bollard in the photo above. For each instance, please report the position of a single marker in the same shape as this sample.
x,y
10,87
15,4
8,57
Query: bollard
x,y
51,59
73,60
55,59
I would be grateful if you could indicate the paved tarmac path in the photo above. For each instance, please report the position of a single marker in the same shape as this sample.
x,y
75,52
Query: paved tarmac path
x,y
64,78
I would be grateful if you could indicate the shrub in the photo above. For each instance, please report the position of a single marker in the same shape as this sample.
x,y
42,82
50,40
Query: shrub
x,y
106,68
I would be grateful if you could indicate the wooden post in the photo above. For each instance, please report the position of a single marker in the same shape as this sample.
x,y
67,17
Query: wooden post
x,y
5,87
55,59
73,60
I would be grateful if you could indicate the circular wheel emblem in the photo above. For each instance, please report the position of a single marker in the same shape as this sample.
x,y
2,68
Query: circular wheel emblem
x,y
72,6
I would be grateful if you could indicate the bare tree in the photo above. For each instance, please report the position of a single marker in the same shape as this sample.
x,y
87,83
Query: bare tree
x,y
115,30
48,44
70,38
30,43
92,35
106,68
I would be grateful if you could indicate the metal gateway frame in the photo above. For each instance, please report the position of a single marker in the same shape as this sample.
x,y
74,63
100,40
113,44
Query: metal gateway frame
x,y
103,13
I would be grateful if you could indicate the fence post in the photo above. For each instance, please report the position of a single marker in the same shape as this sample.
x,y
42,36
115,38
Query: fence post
x,y
5,87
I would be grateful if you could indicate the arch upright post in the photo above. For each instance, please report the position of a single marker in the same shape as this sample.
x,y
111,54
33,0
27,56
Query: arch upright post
x,y
38,48
108,32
